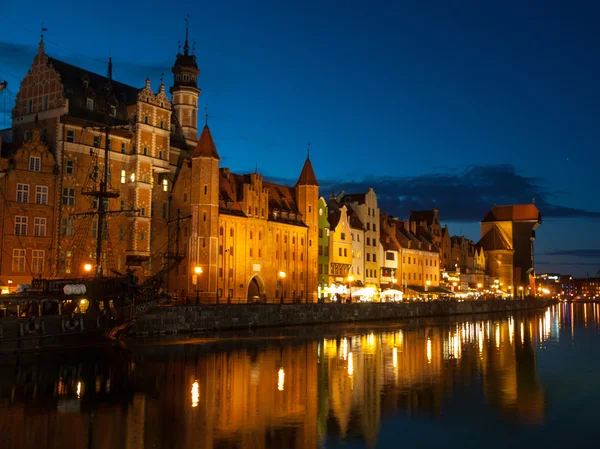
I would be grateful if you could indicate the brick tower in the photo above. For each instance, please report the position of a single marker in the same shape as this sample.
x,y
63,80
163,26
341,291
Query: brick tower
x,y
307,198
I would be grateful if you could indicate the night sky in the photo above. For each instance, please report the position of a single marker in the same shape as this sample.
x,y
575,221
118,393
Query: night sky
x,y
432,104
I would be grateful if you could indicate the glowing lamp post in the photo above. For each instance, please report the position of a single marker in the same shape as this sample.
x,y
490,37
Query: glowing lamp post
x,y
198,272
350,281
282,276
522,292
87,268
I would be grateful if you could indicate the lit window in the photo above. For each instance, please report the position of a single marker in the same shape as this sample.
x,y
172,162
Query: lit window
x,y
18,261
90,104
165,185
123,176
37,261
132,177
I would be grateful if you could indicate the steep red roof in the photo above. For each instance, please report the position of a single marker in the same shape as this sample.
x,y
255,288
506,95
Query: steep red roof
x,y
494,240
516,212
423,215
206,145
307,176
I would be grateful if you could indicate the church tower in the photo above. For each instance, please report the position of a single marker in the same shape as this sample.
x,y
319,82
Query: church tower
x,y
185,92
307,198
204,203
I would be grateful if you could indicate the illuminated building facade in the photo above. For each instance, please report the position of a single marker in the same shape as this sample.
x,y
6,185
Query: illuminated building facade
x,y
507,236
323,251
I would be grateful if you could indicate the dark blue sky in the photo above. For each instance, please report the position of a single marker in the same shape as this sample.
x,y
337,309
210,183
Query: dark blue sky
x,y
433,104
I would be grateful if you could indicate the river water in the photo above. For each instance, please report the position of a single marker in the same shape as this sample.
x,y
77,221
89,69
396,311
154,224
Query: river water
x,y
508,381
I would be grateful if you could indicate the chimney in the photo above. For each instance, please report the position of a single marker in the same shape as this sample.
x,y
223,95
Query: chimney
x,y
406,225
413,227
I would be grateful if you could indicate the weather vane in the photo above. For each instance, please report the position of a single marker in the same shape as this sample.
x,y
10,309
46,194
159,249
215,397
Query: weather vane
x,y
161,77
206,115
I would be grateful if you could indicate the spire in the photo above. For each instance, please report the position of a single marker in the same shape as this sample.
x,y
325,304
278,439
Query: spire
x,y
41,46
206,146
186,46
307,176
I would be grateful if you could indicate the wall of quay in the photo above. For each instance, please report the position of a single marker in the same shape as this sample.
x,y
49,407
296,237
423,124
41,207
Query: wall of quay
x,y
207,318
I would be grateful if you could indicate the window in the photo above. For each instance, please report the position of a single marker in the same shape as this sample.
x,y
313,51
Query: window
x,y
94,229
123,147
250,252
205,190
426,262
374,227
35,163
90,104
132,177
70,167
389,256
368,241
161,154
67,226
68,196
113,111
41,195
39,227
165,184
37,261
122,204
123,176
70,135
162,124
20,225
320,250
368,257
340,251
29,106
146,119
65,261
18,261
368,226
231,232
164,210
345,253
22,193
343,236
142,236
96,141
145,151
143,211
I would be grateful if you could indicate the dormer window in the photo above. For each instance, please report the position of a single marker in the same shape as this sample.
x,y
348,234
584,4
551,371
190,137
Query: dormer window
x,y
186,77
177,77
90,104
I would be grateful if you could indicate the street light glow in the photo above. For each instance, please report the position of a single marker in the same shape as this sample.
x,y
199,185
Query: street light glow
x,y
198,270
282,274
87,267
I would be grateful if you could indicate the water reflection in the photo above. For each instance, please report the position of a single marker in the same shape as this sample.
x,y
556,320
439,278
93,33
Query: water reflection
x,y
296,392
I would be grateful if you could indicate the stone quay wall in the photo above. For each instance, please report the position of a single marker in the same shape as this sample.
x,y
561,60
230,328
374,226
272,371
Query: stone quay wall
x,y
206,318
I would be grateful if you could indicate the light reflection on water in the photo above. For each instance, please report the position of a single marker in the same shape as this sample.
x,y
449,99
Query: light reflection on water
x,y
365,386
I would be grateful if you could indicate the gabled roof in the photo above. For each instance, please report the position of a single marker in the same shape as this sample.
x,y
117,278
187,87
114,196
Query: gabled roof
x,y
307,176
354,221
515,212
493,240
359,198
423,215
206,145
77,92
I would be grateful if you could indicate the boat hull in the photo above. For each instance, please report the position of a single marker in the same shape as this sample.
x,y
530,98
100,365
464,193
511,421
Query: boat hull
x,y
40,333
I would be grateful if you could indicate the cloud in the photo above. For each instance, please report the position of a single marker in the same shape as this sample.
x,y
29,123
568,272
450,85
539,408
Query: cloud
x,y
463,195
585,253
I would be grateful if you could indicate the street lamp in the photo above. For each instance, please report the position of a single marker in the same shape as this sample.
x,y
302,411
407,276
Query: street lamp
x,y
350,281
198,271
87,267
522,293
282,276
